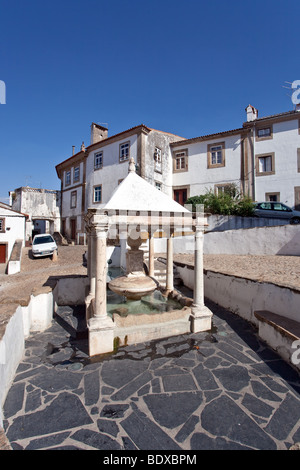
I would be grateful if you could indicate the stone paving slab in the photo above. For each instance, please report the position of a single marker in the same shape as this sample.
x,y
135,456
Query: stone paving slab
x,y
224,389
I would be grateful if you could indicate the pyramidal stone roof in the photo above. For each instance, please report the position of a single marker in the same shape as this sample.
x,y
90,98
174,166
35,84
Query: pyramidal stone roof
x,y
136,194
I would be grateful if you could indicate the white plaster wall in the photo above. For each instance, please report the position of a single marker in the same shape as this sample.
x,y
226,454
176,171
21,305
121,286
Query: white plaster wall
x,y
66,203
279,240
11,352
244,296
200,178
16,226
285,141
72,290
111,172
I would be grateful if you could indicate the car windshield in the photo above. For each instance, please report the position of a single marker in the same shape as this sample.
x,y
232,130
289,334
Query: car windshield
x,y
45,239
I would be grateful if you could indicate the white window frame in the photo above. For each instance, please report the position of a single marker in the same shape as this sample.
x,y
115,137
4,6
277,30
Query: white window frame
x,y
157,159
98,160
97,190
76,176
124,152
68,178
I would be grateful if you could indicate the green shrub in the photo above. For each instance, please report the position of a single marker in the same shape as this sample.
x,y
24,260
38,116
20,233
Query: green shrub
x,y
229,202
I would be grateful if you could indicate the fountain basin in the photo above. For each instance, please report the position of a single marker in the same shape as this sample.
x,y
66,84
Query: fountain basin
x,y
132,287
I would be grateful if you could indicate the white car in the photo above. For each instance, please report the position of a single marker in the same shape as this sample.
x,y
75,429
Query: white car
x,y
43,245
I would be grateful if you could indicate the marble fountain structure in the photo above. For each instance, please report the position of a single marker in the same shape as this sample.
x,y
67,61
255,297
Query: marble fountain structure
x,y
136,211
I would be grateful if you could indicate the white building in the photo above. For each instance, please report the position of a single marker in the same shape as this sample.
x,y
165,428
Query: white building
x,y
12,228
276,156
262,158
42,207
89,177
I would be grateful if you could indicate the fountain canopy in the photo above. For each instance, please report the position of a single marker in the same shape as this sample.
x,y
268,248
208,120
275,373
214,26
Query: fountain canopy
x,y
142,203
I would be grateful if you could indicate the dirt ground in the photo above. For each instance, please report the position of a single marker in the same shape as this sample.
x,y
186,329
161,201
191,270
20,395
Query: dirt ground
x,y
282,270
36,271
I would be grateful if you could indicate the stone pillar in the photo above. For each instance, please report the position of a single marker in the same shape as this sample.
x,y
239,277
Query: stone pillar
x,y
170,276
151,254
101,335
201,315
90,271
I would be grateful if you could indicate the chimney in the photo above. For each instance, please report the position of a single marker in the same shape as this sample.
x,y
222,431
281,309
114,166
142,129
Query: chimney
x,y
73,149
98,133
252,113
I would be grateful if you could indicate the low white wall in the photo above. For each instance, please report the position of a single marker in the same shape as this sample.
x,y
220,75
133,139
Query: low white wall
x,y
279,240
36,316
244,296
273,240
233,222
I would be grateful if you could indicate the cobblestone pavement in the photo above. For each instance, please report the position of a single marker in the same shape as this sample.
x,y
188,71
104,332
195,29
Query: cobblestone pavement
x,y
223,389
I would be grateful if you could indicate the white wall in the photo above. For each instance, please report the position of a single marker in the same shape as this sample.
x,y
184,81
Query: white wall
x,y
111,172
280,240
14,228
200,178
285,141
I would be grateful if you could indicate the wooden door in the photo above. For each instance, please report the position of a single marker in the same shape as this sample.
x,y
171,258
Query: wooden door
x,y
2,253
180,195
73,229
297,198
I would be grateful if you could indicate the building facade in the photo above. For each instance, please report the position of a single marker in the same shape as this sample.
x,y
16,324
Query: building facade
x,y
89,177
42,206
261,158
12,228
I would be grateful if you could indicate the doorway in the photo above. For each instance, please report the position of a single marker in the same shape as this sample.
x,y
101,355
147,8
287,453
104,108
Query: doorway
x,y
73,229
180,195
297,198
3,253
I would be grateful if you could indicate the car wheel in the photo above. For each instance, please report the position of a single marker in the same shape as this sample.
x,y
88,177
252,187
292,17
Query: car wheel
x,y
295,220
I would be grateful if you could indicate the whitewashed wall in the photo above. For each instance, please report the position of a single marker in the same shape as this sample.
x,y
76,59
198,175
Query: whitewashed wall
x,y
14,228
200,178
111,172
285,142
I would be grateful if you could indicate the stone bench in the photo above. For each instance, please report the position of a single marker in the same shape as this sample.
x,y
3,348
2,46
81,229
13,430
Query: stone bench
x,y
280,333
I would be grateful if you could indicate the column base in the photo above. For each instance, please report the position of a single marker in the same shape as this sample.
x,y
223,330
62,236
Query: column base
x,y
201,318
101,335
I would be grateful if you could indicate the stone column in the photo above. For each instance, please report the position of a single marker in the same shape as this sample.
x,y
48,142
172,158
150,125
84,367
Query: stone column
x,y
201,315
170,276
101,336
90,271
151,254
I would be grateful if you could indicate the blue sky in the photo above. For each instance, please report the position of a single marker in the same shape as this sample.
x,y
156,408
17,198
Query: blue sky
x,y
187,67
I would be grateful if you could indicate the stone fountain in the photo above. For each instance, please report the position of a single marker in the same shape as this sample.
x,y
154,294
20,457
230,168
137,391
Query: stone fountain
x,y
136,207
135,284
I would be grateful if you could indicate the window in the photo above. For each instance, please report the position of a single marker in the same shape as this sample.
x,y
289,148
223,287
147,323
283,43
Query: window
x,y
2,225
272,197
265,164
157,159
68,177
298,160
158,185
216,155
98,193
73,199
180,161
98,160
264,133
124,152
76,173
